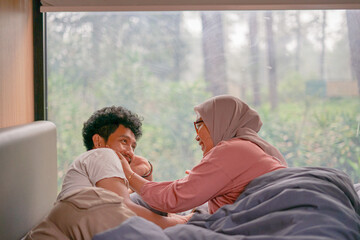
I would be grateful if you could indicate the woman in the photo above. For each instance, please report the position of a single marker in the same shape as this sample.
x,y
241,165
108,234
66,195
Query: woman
x,y
233,155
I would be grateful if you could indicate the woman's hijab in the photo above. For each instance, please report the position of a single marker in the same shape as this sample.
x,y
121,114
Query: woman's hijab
x,y
228,117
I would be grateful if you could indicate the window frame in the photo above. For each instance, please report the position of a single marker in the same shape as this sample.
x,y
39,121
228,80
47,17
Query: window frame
x,y
184,5
39,61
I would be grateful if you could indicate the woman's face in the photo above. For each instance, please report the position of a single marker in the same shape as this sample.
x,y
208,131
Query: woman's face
x,y
203,136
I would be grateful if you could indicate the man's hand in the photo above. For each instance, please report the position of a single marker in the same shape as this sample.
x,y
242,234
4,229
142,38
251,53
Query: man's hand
x,y
142,167
179,219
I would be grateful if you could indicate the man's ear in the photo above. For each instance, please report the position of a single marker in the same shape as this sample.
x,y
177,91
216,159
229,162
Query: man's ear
x,y
98,141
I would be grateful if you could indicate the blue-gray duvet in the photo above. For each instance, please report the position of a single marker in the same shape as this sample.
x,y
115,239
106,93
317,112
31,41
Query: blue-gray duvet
x,y
287,204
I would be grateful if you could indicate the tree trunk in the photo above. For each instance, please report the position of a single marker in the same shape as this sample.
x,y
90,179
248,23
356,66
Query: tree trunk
x,y
323,47
178,56
254,57
353,22
298,42
214,53
271,60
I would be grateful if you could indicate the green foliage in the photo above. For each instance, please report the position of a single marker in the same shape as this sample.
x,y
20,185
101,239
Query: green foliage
x,y
169,133
323,133
66,109
292,87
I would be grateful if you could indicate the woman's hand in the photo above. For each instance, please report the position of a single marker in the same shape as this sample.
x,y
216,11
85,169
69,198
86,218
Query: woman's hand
x,y
136,182
125,164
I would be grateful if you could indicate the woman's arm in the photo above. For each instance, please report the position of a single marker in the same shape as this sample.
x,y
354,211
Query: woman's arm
x,y
117,186
204,182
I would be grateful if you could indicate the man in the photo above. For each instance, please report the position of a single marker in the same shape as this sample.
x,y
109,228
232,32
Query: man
x,y
87,200
111,127
116,128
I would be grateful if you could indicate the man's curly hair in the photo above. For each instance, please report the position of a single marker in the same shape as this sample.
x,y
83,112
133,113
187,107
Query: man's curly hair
x,y
106,120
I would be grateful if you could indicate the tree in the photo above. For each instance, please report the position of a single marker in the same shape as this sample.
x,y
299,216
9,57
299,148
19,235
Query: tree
x,y
254,57
298,41
213,52
353,22
271,59
323,46
177,43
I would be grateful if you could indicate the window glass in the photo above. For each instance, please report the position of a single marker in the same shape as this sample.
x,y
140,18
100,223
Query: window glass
x,y
298,69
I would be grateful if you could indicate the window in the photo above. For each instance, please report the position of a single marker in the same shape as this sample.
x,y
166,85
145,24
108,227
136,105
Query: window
x,y
298,69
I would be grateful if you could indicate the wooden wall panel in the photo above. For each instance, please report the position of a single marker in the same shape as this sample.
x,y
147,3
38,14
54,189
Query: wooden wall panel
x,y
16,63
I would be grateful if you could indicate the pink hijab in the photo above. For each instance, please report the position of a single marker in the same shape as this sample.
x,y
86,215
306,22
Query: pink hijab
x,y
228,117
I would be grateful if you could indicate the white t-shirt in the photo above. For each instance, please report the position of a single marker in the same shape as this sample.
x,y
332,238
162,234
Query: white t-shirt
x,y
89,168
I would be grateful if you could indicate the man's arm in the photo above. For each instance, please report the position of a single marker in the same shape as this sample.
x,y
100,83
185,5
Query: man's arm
x,y
118,186
142,167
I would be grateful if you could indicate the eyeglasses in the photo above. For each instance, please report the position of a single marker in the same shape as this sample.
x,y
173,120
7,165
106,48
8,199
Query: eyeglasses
x,y
197,125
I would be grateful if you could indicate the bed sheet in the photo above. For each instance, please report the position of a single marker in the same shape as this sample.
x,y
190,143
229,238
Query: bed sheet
x,y
287,204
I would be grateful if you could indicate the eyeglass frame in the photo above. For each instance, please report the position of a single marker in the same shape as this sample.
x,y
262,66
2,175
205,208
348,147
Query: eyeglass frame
x,y
196,125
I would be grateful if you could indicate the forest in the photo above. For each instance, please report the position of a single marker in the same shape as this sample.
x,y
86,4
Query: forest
x,y
299,69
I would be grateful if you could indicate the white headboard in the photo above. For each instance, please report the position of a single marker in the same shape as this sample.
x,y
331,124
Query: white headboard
x,y
28,176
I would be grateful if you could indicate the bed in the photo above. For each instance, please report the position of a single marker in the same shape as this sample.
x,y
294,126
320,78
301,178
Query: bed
x,y
28,176
288,204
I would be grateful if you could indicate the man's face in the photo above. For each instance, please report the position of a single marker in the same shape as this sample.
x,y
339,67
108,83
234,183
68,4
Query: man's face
x,y
122,141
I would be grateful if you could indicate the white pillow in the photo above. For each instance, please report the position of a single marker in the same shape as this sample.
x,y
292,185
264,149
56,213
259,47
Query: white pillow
x,y
357,188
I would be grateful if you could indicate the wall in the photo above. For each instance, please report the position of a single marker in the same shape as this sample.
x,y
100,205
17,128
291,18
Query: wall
x,y
342,88
16,63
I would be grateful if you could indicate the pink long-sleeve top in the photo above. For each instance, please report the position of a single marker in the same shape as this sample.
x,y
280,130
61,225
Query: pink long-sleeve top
x,y
219,178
